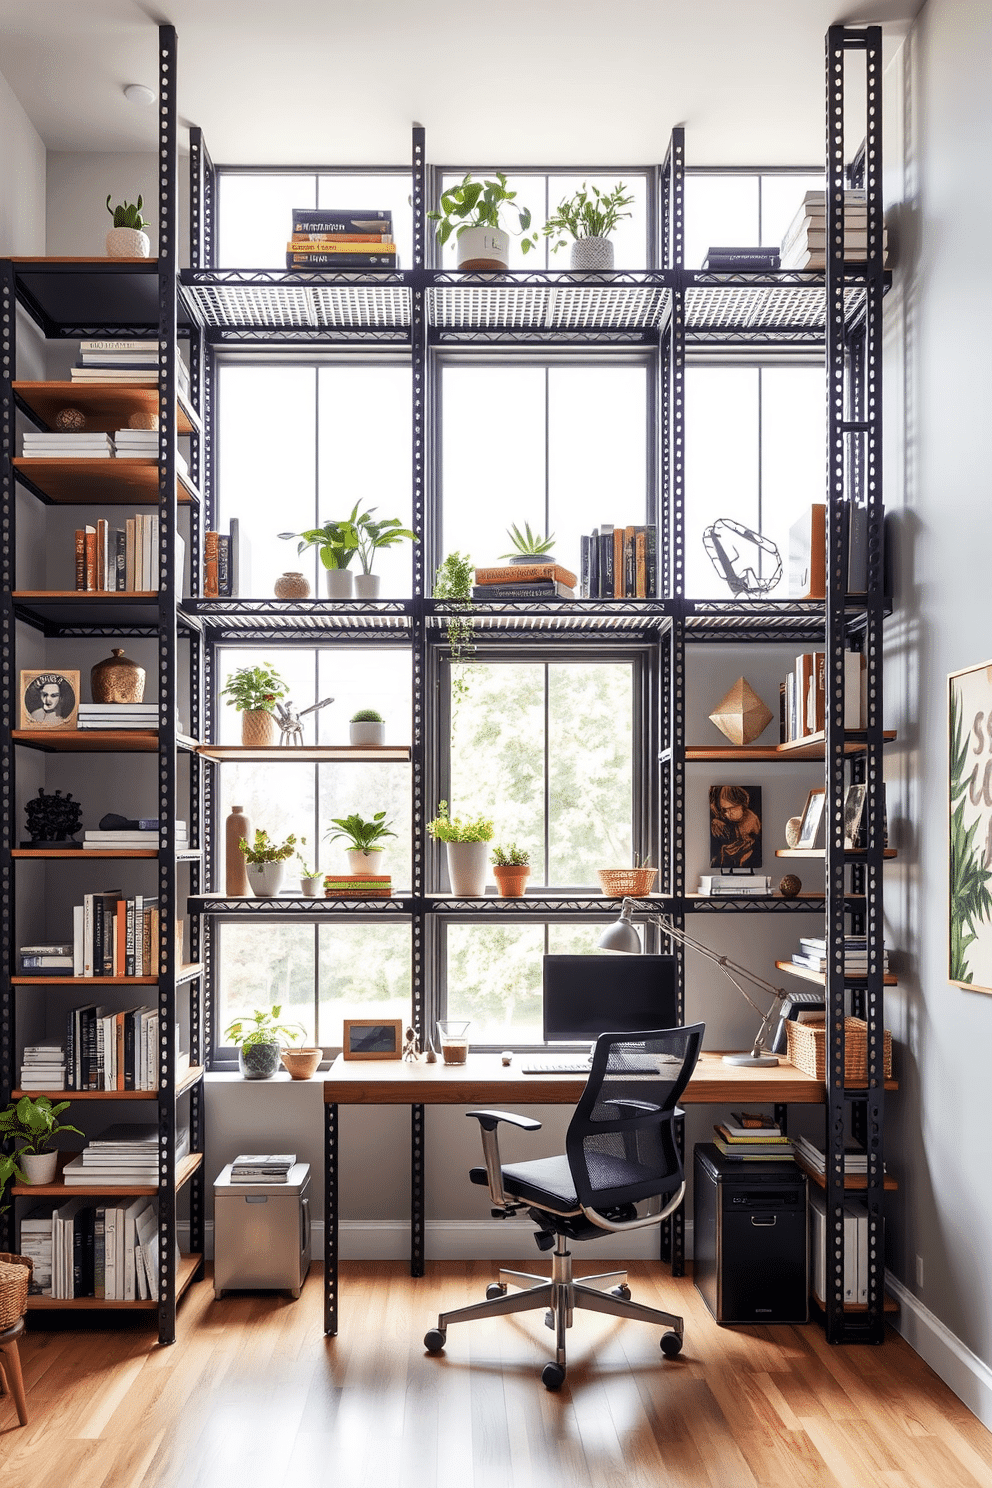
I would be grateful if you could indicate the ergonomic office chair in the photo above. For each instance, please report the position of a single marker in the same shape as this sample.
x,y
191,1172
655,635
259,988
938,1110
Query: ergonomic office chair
x,y
620,1148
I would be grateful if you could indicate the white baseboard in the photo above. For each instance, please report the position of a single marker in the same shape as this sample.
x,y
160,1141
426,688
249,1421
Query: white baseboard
x,y
962,1371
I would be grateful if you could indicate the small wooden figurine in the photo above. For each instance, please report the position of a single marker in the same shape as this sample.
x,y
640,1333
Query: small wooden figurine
x,y
411,1048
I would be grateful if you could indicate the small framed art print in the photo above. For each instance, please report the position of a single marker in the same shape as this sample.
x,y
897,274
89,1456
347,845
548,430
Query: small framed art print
x,y
49,699
812,817
373,1038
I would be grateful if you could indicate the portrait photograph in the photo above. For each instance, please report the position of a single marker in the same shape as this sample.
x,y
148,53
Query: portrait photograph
x,y
49,700
735,826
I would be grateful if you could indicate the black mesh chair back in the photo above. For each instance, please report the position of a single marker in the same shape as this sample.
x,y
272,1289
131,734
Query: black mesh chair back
x,y
621,1143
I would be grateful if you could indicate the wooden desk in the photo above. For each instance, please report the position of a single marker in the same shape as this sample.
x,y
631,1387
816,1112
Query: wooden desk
x,y
483,1081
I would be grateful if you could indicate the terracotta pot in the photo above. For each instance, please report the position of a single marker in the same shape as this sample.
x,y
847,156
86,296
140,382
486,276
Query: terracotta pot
x,y
259,728
301,1063
128,242
292,586
117,679
512,880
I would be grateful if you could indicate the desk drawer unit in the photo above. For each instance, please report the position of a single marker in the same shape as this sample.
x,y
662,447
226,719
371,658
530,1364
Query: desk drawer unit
x,y
262,1233
750,1243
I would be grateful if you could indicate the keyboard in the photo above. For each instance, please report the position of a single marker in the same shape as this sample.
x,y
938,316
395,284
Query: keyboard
x,y
555,1067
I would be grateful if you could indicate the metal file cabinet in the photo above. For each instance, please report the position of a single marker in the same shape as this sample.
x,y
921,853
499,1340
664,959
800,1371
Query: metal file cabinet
x,y
262,1233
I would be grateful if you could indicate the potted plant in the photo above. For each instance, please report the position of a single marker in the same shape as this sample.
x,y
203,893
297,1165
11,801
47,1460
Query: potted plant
x,y
336,544
310,879
372,536
367,727
34,1123
588,218
511,869
465,841
472,211
529,547
266,863
254,692
453,582
257,1040
9,1173
365,839
126,239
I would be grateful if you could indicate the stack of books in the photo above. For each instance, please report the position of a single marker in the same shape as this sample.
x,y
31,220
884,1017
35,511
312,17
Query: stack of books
x,y
738,1139
805,243
713,884
36,1243
108,1050
38,445
739,260
327,238
262,1167
145,835
118,716
802,696
812,955
105,1251
807,551
855,1248
358,886
142,444
122,558
537,580
116,936
50,960
43,1067
226,563
127,361
855,1158
619,563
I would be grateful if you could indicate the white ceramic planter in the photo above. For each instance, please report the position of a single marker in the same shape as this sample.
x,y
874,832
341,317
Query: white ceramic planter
x,y
128,242
339,583
265,879
367,733
366,586
468,866
311,887
591,253
484,248
364,862
38,1167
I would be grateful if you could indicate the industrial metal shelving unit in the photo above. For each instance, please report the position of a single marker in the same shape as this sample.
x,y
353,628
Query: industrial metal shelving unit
x,y
668,312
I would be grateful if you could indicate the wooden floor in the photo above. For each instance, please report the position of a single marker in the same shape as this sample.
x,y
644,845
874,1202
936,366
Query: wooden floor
x,y
253,1396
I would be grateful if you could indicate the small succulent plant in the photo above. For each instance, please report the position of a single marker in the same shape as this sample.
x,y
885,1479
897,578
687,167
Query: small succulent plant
x,y
367,715
126,215
527,543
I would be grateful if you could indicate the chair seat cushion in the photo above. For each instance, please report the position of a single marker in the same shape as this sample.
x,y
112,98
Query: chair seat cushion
x,y
548,1183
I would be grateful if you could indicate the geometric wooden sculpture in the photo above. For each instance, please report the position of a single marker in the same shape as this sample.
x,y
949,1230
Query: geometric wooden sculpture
x,y
741,715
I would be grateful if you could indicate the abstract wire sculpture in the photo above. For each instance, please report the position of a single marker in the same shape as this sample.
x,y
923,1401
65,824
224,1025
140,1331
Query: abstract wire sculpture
x,y
735,552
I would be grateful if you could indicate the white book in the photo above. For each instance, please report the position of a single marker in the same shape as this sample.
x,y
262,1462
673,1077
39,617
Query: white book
x,y
110,1254
130,1241
146,1227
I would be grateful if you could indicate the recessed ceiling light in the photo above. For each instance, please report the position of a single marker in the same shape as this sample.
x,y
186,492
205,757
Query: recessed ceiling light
x,y
138,93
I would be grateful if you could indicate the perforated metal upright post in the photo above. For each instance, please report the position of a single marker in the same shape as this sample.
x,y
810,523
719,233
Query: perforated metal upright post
x,y
8,700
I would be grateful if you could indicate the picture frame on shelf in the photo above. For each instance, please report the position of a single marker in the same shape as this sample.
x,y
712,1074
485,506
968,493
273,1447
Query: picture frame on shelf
x,y
809,828
969,813
735,826
49,699
854,805
372,1038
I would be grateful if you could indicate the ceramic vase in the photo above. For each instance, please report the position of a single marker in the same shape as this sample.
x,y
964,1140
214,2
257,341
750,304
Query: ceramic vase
x,y
118,679
266,879
366,586
236,828
484,248
591,253
292,586
468,864
339,583
128,242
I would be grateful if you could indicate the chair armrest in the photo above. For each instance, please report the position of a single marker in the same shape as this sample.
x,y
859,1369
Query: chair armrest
x,y
618,1227
648,1107
489,1121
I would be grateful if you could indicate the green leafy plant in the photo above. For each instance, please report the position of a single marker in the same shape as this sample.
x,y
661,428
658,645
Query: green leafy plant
x,y
366,715
453,582
34,1123
254,689
527,543
263,850
126,215
481,204
374,535
590,213
361,835
510,856
305,870
446,828
971,900
262,1028
336,542
9,1173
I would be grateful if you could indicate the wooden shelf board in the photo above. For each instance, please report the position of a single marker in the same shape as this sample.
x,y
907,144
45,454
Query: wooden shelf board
x,y
763,898
96,741
307,753
107,405
192,1076
115,482
81,855
185,1169
185,974
852,1181
821,852
819,978
809,748
185,1272
89,596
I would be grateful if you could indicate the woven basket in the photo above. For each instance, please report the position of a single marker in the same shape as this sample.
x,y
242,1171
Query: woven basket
x,y
808,1050
626,883
15,1278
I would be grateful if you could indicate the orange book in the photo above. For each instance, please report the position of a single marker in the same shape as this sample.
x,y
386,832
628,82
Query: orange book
x,y
211,587
619,591
526,573
640,564
320,241
91,557
81,558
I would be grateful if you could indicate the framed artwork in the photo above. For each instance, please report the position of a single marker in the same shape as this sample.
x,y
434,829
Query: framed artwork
x,y
49,700
735,826
854,805
969,796
373,1038
812,816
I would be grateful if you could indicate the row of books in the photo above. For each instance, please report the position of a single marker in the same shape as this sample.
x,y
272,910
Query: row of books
x,y
106,1251
802,695
358,885
326,238
102,1051
145,834
112,936
124,361
743,1140
262,1167
711,885
123,559
804,245
855,1158
226,563
855,1248
808,551
812,955
619,563
535,580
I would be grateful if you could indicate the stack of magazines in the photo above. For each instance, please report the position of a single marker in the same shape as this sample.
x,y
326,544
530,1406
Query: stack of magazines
x,y
262,1167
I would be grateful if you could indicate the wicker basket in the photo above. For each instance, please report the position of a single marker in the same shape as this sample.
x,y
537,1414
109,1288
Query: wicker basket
x,y
626,883
15,1278
808,1050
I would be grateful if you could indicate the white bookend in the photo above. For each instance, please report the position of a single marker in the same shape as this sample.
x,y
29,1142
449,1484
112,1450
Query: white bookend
x,y
77,940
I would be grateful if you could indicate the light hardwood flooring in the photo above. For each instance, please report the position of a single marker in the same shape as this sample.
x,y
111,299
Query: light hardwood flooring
x,y
253,1396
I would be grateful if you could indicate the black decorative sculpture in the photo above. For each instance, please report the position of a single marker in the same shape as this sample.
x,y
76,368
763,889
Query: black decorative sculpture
x,y
52,820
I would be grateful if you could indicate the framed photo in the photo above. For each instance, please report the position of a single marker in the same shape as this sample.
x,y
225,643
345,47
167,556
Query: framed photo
x,y
373,1038
49,700
854,805
812,816
969,811
735,826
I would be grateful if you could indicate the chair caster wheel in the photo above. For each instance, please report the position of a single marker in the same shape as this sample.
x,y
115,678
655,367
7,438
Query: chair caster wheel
x,y
495,1289
434,1340
552,1376
622,1291
671,1345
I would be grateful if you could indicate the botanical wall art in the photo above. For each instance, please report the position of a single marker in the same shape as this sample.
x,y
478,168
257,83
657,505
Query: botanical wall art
x,y
970,834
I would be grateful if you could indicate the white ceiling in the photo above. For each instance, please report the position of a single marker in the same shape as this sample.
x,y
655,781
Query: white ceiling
x,y
592,82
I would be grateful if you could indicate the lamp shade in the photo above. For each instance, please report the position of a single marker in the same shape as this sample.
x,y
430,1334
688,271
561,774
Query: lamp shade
x,y
620,936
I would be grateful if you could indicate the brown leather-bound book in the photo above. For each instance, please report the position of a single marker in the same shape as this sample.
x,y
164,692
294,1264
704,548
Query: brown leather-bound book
x,y
80,558
808,554
91,558
526,573
211,585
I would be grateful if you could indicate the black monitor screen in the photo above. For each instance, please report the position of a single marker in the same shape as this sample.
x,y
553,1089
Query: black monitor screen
x,y
585,996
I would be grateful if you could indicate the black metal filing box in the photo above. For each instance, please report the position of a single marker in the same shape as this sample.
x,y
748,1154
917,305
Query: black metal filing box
x,y
750,1244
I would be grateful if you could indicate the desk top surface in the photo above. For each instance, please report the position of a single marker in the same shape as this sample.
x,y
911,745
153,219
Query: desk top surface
x,y
484,1079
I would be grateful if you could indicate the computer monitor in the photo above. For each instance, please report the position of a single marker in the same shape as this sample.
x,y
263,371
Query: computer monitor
x,y
585,996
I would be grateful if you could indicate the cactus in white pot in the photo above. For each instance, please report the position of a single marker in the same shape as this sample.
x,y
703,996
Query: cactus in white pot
x,y
126,239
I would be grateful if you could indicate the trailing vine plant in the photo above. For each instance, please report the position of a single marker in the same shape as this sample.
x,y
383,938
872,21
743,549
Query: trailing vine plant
x,y
971,900
453,583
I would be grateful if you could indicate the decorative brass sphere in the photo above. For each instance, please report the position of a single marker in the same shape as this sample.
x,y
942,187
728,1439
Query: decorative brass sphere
x,y
790,886
67,420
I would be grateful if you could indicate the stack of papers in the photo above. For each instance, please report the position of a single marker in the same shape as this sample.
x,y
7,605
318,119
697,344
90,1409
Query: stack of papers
x,y
262,1167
